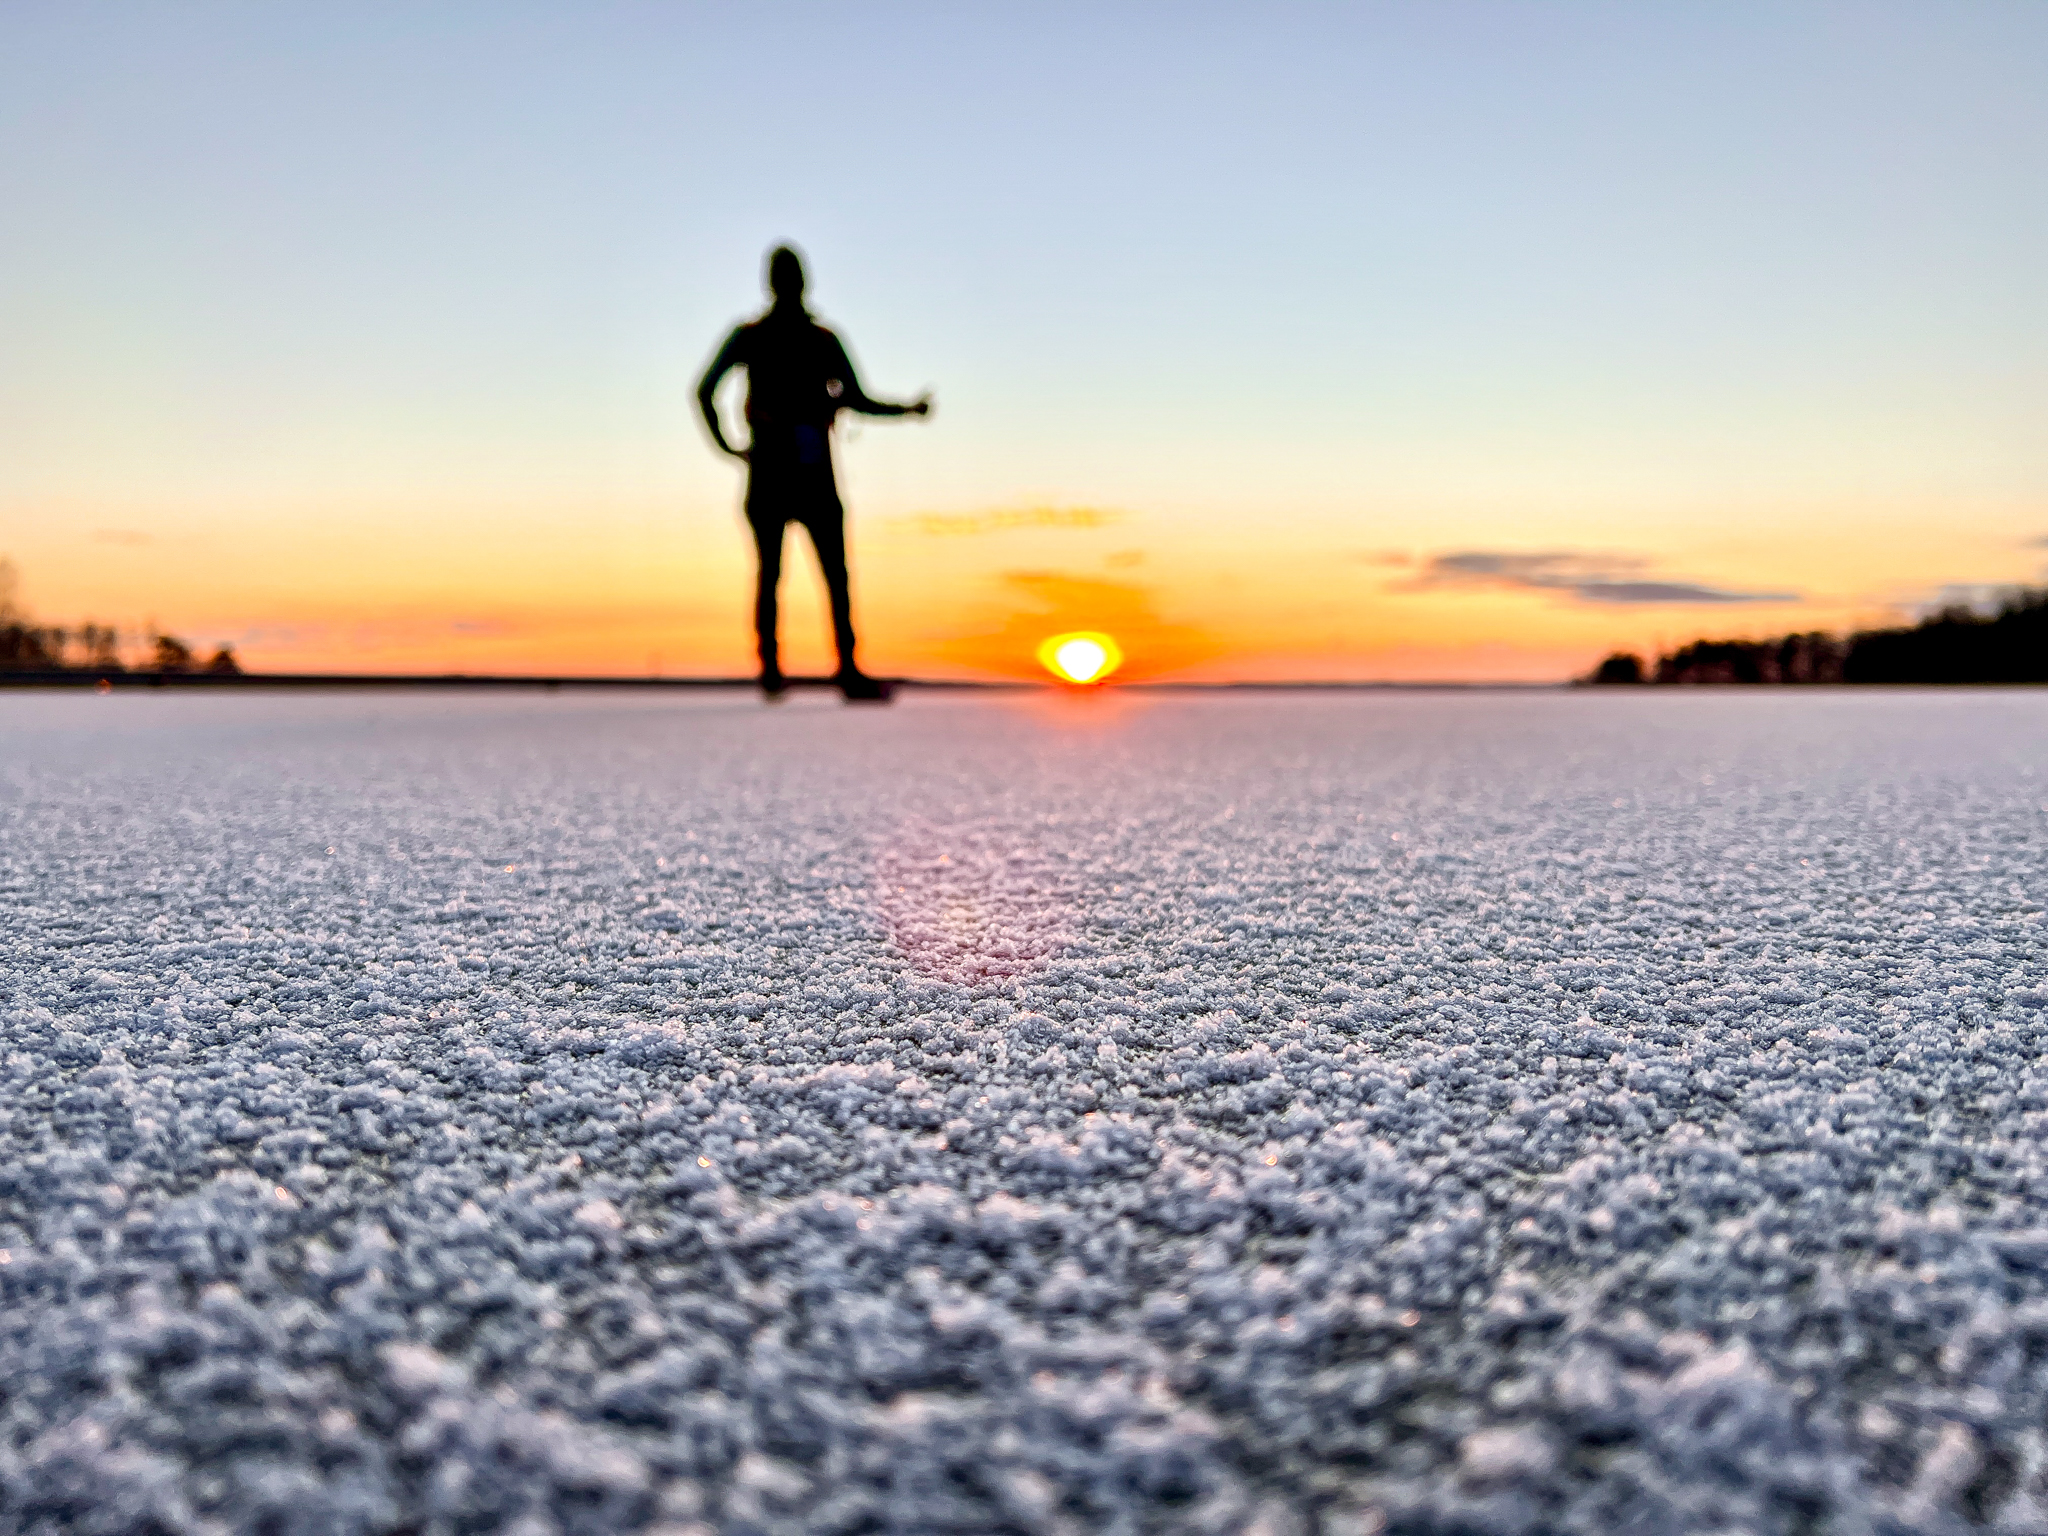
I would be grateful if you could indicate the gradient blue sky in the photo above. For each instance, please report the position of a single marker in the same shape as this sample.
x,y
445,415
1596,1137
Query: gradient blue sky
x,y
366,335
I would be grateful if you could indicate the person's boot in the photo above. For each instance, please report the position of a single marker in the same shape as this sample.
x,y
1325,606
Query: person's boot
x,y
856,687
773,684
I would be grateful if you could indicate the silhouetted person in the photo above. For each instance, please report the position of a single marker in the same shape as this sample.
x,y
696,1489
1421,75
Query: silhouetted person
x,y
799,379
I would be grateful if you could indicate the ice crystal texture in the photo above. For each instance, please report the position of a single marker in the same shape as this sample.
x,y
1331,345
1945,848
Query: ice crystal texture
x,y
1278,1114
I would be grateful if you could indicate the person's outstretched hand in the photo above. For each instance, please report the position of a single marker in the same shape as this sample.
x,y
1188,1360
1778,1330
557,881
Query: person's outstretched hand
x,y
922,405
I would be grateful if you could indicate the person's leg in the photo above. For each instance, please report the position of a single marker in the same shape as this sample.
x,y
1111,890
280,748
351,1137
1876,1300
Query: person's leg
x,y
827,528
767,522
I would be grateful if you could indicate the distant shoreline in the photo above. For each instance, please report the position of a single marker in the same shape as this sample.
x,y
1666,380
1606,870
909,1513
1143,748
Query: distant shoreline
x,y
86,679
91,679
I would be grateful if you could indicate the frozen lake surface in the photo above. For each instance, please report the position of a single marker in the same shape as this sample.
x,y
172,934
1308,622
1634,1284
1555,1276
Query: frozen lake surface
x,y
1278,1114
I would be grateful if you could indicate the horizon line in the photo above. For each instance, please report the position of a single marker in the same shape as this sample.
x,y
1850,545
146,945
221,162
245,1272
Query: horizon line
x,y
93,677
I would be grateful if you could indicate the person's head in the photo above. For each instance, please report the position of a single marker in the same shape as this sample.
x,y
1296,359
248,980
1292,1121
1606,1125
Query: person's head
x,y
786,275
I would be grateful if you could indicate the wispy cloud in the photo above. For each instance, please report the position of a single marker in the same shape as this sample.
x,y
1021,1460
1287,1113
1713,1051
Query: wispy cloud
x,y
1585,578
133,537
964,524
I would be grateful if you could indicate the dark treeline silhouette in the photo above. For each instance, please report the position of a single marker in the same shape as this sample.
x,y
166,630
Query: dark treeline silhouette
x,y
29,647
97,648
1956,645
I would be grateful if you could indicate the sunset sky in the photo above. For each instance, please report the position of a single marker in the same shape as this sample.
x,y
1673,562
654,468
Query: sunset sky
x,y
1430,341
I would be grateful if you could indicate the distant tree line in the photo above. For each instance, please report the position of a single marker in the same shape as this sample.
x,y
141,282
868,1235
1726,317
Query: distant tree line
x,y
97,648
1956,645
31,647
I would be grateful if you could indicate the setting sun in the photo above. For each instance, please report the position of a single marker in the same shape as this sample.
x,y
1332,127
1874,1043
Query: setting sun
x,y
1083,657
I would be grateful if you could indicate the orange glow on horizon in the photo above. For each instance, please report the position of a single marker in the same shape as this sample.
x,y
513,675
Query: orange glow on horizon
x,y
641,590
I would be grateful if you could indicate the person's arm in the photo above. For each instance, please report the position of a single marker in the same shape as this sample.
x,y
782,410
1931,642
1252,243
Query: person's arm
x,y
707,392
853,397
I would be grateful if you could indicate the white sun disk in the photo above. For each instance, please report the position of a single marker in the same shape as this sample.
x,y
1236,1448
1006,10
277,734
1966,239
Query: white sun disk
x,y
1081,659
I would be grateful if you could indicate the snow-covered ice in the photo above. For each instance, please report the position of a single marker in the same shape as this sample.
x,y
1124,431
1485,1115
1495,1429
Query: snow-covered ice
x,y
1281,1114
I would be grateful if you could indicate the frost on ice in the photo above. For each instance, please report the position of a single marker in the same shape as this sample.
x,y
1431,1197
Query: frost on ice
x,y
1515,1114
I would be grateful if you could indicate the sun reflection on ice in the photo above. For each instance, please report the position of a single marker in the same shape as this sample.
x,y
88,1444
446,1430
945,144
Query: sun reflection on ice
x,y
973,903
